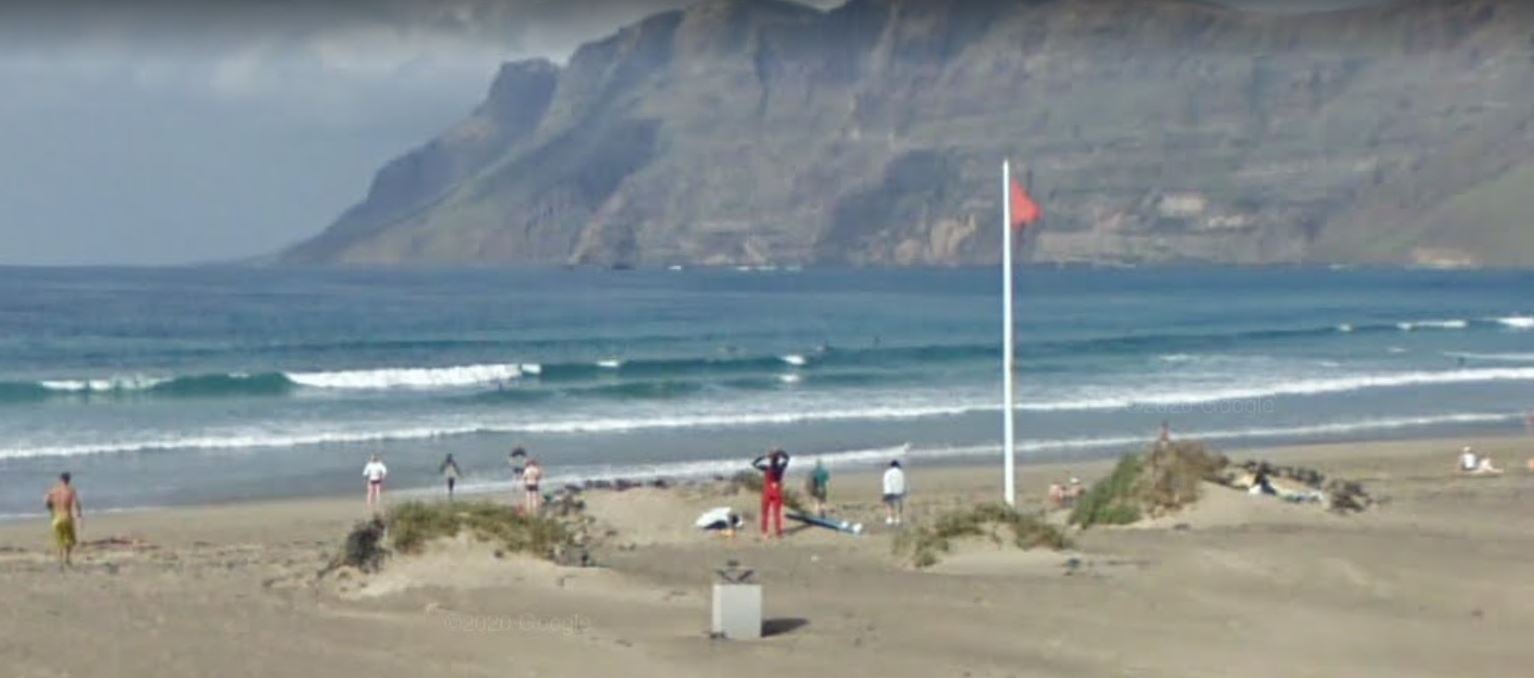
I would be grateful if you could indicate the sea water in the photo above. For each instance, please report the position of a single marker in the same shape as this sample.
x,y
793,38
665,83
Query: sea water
x,y
169,386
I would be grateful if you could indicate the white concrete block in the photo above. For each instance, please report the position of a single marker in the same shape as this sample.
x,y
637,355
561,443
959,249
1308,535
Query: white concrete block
x,y
738,611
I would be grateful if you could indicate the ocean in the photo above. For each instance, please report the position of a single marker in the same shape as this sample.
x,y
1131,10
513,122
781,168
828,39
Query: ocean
x,y
172,386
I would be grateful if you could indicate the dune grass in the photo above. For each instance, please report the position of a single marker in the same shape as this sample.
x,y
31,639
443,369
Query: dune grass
x,y
1112,500
412,525
924,545
1163,480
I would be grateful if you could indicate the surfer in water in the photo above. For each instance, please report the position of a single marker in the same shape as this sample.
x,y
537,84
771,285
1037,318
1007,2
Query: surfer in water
x,y
450,472
772,465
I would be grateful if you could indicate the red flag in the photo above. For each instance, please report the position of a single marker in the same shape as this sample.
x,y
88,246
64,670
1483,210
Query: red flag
x,y
1024,210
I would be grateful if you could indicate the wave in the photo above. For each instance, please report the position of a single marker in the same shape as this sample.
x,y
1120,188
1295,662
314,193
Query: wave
x,y
1493,357
821,367
196,386
708,468
264,439
1433,325
1299,387
114,384
413,377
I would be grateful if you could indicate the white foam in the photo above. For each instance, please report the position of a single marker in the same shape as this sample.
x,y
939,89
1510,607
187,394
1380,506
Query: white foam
x,y
413,377
1517,322
1298,387
1344,327
1434,325
246,438
533,369
862,457
132,383
794,359
1176,358
612,364
790,378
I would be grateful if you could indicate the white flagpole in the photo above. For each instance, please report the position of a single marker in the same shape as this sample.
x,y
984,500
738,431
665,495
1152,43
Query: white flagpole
x,y
1006,330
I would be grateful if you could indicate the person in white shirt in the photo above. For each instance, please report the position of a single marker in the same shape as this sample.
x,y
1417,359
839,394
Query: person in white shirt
x,y
894,494
374,473
1468,461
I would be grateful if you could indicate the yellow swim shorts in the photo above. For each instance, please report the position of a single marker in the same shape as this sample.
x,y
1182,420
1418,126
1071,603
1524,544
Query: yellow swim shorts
x,y
64,531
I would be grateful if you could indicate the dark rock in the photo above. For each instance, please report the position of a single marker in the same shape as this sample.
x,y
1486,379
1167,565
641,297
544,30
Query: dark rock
x,y
1297,137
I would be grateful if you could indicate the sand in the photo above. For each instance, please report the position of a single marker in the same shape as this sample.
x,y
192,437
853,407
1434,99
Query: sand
x,y
1435,581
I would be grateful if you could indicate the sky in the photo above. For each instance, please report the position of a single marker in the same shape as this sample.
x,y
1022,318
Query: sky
x,y
151,132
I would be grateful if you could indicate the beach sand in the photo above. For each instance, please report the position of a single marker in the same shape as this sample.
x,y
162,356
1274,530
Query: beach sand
x,y
1435,581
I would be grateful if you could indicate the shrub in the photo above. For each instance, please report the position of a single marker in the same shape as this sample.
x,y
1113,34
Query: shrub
x,y
412,525
1111,501
925,544
364,546
1167,478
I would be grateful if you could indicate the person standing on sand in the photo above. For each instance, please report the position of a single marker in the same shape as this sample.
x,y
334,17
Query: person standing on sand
x,y
449,471
516,459
772,465
820,487
894,494
374,473
64,506
533,501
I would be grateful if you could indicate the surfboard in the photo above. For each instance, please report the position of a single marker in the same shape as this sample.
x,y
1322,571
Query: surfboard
x,y
838,525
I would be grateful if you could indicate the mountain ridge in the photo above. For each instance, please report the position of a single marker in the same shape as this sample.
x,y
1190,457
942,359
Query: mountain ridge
x,y
765,132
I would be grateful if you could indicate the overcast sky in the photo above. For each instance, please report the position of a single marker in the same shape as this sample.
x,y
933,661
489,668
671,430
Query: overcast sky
x,y
169,131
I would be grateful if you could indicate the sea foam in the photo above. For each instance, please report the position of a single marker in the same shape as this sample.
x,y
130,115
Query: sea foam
x,y
413,377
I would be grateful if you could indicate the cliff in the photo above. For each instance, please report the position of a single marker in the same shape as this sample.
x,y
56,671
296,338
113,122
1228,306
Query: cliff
x,y
760,131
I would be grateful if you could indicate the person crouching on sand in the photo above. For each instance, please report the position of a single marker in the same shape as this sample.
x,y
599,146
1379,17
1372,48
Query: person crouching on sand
x,y
772,465
532,502
894,494
374,473
450,472
64,506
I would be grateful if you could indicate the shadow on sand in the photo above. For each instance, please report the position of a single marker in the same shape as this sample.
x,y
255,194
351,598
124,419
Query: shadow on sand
x,y
782,625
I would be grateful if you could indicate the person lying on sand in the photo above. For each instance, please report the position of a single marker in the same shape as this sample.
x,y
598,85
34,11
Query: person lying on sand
x,y
723,520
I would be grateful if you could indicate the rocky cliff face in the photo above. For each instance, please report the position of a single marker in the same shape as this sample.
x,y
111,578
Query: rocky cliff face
x,y
760,131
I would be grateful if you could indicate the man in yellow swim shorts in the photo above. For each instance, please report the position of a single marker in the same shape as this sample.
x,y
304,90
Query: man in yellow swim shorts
x,y
64,505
